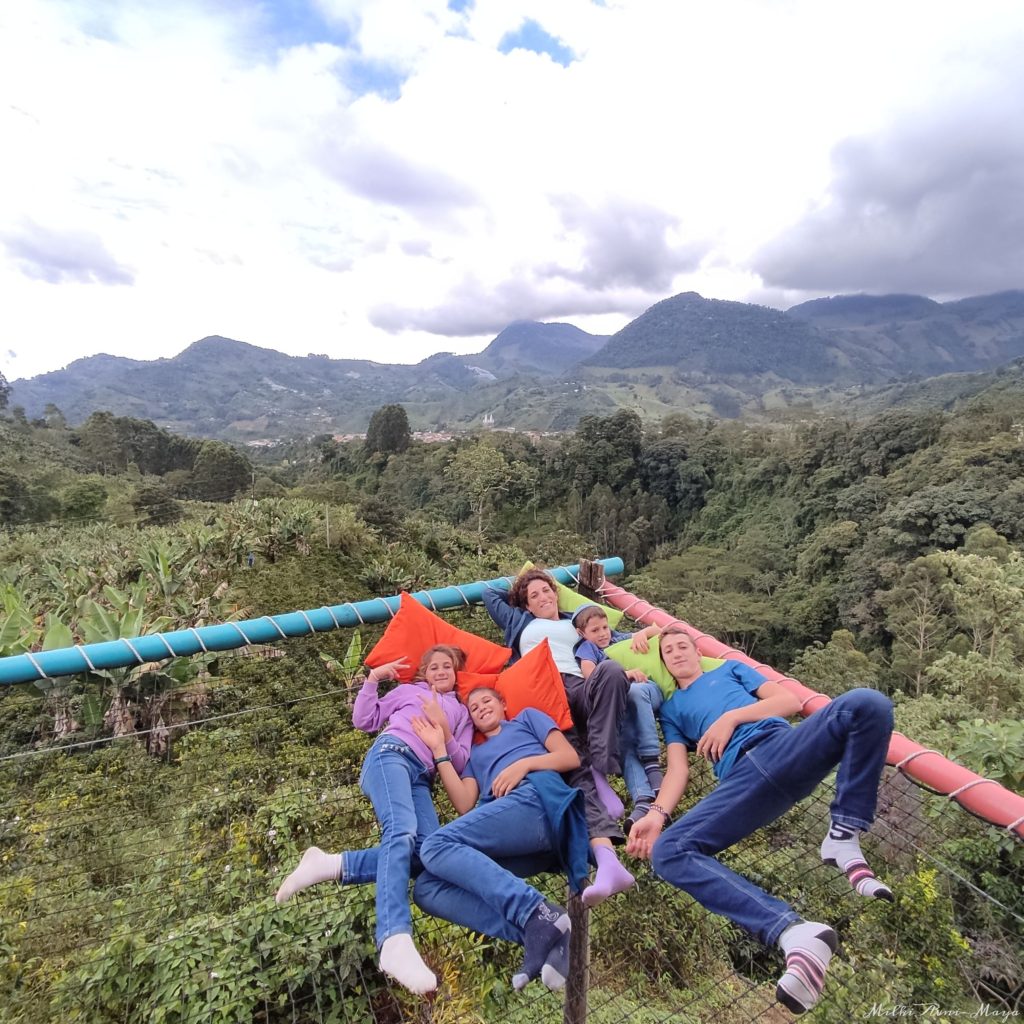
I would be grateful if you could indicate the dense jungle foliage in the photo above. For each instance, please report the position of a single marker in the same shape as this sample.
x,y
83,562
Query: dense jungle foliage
x,y
138,872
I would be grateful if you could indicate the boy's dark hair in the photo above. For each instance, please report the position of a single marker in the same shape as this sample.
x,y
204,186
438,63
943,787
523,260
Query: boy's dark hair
x,y
517,592
457,654
588,612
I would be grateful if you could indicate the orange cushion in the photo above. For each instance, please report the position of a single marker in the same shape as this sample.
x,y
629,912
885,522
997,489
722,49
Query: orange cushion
x,y
414,629
532,682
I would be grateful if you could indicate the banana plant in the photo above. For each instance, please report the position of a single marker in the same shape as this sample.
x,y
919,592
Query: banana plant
x,y
168,571
348,667
18,630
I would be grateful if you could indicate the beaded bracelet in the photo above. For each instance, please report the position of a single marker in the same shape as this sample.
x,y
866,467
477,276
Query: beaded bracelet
x,y
662,812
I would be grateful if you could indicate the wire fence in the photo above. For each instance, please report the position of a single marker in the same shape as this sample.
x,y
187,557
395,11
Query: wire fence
x,y
140,888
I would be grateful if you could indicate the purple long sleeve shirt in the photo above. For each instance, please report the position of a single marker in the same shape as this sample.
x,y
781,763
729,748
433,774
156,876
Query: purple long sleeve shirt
x,y
396,710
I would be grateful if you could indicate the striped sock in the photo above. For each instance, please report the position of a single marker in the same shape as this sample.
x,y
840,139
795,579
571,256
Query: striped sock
x,y
808,946
841,849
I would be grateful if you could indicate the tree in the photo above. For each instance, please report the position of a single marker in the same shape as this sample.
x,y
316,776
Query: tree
x,y
835,667
83,500
388,432
481,473
918,618
55,419
154,505
5,391
220,472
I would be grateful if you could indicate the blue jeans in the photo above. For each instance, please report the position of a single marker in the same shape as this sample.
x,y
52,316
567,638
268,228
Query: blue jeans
x,y
398,785
852,731
462,881
638,737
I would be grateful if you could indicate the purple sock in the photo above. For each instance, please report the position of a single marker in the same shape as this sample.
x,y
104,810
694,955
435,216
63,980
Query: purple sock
x,y
611,877
610,799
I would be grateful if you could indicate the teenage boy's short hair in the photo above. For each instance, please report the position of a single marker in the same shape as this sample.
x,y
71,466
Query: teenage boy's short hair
x,y
588,612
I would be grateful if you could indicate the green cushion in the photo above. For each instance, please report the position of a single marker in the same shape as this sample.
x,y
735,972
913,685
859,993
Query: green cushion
x,y
569,600
651,663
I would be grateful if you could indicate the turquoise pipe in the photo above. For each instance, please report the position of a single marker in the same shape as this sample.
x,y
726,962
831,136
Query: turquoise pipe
x,y
183,643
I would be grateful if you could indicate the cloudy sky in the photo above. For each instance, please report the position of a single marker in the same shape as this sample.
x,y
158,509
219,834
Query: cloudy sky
x,y
392,178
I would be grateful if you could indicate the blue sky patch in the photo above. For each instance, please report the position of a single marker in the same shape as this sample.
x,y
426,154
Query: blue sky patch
x,y
286,23
363,75
460,5
531,36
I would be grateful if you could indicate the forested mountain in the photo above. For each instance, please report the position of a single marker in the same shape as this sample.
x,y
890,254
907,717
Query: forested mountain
x,y
910,335
526,346
706,356
717,339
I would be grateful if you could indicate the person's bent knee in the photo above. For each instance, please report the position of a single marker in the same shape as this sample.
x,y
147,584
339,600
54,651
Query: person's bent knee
x,y
425,893
669,850
871,703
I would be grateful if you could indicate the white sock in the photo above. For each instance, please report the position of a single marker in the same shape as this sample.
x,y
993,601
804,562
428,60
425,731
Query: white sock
x,y
315,866
808,946
841,849
400,958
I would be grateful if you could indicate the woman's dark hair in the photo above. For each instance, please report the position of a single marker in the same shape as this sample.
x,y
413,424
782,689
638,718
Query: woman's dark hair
x,y
517,592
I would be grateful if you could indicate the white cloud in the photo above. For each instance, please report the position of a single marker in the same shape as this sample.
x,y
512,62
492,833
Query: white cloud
x,y
238,174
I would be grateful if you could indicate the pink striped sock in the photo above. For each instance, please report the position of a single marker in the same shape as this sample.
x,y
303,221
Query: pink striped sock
x,y
808,946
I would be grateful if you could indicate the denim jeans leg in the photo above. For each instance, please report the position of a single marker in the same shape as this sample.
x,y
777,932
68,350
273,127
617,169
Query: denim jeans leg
x,y
359,866
396,782
852,732
632,769
462,853
684,854
451,902
645,701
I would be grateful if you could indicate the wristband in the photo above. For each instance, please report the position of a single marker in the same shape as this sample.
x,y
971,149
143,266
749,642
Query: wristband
x,y
662,812
441,760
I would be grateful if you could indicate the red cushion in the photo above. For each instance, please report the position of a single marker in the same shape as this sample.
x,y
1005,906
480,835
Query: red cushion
x,y
532,682
415,629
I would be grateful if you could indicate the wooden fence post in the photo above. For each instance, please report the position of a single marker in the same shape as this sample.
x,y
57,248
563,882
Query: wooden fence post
x,y
578,982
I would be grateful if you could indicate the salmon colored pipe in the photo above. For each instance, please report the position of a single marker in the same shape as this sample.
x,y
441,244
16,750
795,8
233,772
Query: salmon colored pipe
x,y
984,797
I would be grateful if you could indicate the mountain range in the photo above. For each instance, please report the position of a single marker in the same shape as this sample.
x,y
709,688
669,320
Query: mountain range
x,y
685,353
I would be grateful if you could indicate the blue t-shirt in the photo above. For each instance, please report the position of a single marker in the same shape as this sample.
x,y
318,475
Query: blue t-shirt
x,y
689,713
587,650
522,736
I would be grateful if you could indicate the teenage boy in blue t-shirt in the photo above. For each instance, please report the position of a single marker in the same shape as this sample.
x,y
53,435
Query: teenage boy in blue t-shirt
x,y
737,720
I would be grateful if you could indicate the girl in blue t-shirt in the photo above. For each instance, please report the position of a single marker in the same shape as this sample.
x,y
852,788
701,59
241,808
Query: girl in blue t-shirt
x,y
527,818
736,719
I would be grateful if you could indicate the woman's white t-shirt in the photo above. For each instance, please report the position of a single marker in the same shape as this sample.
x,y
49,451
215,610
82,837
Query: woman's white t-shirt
x,y
560,634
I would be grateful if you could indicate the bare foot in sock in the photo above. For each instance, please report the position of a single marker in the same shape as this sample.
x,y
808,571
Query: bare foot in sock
x,y
315,866
808,946
400,959
841,849
611,878
542,932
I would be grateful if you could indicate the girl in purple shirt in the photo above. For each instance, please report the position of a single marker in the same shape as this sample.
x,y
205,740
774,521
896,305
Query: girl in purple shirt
x,y
397,775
